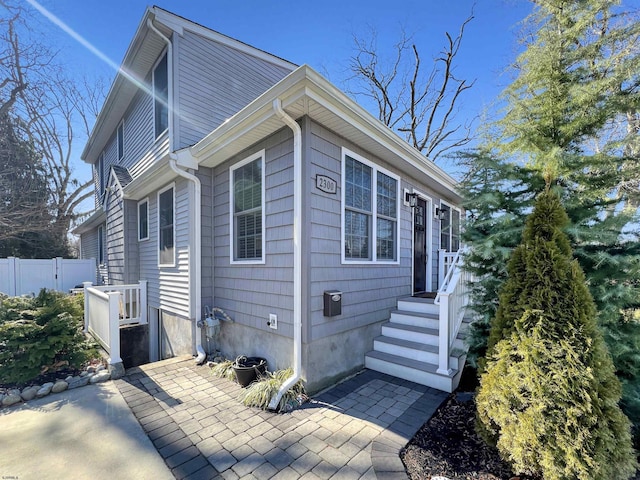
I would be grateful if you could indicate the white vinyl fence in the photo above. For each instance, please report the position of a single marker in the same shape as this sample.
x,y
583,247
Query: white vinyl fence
x,y
25,276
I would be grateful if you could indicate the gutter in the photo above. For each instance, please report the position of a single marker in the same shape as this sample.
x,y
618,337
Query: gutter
x,y
195,257
297,253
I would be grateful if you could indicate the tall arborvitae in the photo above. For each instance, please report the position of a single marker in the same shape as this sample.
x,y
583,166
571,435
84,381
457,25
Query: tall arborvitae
x,y
573,110
549,393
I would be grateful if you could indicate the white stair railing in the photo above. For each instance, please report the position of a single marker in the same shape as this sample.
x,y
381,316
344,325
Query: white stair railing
x,y
108,307
452,297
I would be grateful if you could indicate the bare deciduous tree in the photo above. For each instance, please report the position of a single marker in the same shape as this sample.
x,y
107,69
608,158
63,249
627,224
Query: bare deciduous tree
x,y
420,106
53,112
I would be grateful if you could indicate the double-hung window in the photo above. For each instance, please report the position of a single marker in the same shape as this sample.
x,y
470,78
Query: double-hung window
x,y
449,228
247,210
161,96
120,140
166,237
370,213
143,219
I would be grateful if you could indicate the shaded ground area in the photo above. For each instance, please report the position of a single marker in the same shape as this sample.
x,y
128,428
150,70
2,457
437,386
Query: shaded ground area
x,y
448,445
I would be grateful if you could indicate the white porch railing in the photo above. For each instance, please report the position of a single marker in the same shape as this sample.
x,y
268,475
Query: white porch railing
x,y
453,297
108,307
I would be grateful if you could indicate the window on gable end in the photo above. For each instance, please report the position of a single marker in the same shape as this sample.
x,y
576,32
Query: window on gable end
x,y
100,173
120,140
161,96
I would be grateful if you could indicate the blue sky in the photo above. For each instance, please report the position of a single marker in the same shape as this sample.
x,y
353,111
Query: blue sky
x,y
319,34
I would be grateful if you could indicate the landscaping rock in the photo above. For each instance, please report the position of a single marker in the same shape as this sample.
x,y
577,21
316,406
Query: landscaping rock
x,y
84,374
11,399
44,390
59,386
91,369
29,393
116,370
78,382
69,378
99,368
100,377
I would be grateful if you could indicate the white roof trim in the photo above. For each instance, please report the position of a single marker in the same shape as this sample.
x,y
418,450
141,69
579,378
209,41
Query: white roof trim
x,y
306,82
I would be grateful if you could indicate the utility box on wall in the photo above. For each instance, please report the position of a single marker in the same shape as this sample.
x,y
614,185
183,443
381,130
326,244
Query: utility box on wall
x,y
332,303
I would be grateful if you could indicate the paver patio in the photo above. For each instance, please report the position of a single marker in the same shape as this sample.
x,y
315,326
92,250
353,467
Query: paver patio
x,y
355,430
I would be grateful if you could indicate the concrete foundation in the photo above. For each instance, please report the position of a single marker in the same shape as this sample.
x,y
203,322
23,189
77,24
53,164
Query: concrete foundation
x,y
324,362
176,335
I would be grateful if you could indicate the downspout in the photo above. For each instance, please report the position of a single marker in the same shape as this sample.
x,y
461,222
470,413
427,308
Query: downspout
x,y
195,263
297,253
169,77
195,257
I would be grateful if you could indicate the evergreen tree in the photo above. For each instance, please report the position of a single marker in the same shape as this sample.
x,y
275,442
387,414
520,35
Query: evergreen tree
x,y
571,112
549,391
25,219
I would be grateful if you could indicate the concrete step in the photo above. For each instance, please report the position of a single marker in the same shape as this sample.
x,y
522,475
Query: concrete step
x,y
427,336
418,372
414,350
417,319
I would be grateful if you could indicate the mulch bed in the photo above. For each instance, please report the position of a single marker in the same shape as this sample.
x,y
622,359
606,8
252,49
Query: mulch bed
x,y
447,445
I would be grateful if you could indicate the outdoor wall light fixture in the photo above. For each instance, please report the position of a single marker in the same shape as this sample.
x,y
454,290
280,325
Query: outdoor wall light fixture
x,y
440,214
411,199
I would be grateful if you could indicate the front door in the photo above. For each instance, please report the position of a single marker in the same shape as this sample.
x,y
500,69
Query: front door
x,y
420,246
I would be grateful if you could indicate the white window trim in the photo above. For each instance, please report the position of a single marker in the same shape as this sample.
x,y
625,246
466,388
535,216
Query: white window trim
x,y
375,168
429,229
101,245
452,207
153,92
160,192
120,126
142,239
102,181
232,240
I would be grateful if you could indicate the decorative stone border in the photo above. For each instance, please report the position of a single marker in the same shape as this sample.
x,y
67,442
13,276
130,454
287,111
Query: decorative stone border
x,y
90,375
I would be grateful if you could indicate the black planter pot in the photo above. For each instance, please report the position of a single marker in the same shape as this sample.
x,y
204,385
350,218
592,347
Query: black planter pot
x,y
247,369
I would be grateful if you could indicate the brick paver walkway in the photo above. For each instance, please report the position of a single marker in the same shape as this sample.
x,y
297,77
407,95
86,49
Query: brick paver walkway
x,y
352,431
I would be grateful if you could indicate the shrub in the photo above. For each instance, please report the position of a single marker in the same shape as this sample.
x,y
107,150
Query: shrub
x,y
549,395
41,334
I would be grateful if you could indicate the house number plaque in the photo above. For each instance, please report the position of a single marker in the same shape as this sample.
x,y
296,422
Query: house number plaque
x,y
326,184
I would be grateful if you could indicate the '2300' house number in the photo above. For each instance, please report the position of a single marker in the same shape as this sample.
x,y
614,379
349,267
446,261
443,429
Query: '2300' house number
x,y
326,184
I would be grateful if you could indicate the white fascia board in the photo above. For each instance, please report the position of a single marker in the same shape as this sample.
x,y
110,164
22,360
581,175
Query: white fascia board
x,y
116,85
335,100
305,82
95,219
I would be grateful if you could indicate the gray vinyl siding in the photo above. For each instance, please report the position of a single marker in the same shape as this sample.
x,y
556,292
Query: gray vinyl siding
x,y
370,291
213,82
115,245
132,265
249,293
168,287
89,246
206,225
138,130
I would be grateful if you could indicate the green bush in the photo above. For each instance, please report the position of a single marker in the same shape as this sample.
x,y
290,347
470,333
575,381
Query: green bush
x,y
41,334
549,395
